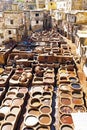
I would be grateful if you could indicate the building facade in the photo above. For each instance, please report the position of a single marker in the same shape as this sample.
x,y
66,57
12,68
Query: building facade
x,y
36,20
1,28
14,24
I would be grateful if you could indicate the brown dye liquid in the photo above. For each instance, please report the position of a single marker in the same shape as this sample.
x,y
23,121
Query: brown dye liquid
x,y
7,127
17,102
66,119
11,95
13,90
10,118
44,119
34,112
65,94
45,109
65,101
23,90
77,101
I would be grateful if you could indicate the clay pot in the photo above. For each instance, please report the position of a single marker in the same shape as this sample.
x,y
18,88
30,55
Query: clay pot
x,y
65,109
66,119
10,118
65,94
17,102
20,95
49,70
19,70
37,88
8,68
63,78
2,81
65,101
48,87
28,69
36,94
30,120
7,101
15,110
64,87
79,108
72,73
66,127
47,94
77,101
73,79
15,77
77,94
23,90
45,119
49,74
44,109
13,89
7,126
62,71
4,109
34,111
46,101
4,76
35,102
76,86
37,80
48,80
11,94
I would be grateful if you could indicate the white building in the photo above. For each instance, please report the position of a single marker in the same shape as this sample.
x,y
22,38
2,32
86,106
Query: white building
x,y
64,5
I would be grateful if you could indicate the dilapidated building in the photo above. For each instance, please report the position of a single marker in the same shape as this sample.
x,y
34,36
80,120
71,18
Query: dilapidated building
x,y
36,19
14,24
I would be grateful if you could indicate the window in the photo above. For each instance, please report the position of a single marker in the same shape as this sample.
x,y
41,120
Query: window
x,y
2,37
11,21
36,14
51,3
9,32
37,22
10,38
